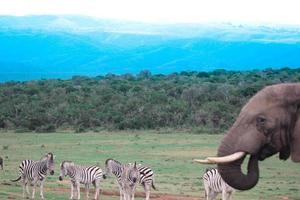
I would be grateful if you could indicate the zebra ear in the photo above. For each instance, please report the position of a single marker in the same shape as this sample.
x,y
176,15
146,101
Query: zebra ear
x,y
135,165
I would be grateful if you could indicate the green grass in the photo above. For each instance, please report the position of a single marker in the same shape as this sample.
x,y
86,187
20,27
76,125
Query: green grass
x,y
169,155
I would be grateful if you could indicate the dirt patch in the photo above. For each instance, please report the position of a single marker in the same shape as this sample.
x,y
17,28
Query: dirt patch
x,y
157,196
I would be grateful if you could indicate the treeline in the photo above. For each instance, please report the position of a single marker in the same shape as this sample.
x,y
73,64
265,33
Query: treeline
x,y
206,101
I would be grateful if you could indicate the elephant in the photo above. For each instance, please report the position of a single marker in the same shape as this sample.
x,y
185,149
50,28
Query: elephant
x,y
269,123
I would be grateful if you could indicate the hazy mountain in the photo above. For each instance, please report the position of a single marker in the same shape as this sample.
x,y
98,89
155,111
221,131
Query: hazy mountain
x,y
35,47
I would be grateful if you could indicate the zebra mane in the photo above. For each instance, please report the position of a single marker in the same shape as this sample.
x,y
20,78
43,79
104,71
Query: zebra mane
x,y
110,159
67,161
45,157
51,156
210,169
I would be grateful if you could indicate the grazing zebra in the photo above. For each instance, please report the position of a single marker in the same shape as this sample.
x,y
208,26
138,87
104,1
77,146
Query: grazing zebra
x,y
116,168
146,179
84,175
214,184
1,163
33,171
129,180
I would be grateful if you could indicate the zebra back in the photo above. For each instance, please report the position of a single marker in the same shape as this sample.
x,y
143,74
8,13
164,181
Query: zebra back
x,y
213,180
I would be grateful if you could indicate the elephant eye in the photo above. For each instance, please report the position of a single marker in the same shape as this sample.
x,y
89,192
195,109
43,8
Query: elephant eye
x,y
260,120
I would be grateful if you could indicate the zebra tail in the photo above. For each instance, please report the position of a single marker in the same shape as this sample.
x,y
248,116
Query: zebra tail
x,y
16,179
153,186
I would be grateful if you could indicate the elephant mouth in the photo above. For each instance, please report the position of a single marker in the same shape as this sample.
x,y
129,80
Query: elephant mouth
x,y
223,159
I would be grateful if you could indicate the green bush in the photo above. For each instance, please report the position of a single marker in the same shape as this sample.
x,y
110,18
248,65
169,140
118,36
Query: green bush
x,y
202,101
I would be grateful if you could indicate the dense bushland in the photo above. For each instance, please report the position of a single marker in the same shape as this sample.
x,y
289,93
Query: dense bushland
x,y
206,101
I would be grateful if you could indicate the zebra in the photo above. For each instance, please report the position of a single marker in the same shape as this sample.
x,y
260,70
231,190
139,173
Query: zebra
x,y
80,174
146,179
129,180
214,184
1,163
146,175
32,172
116,168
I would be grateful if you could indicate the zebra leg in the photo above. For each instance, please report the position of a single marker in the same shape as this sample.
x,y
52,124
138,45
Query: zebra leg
x,y
133,192
207,192
122,195
78,190
147,188
42,189
72,189
228,196
33,189
97,189
24,186
213,195
87,190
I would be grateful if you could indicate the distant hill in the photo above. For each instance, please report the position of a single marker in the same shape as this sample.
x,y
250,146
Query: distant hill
x,y
35,47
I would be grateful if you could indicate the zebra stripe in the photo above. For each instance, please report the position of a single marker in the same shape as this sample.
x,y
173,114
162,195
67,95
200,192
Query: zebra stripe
x,y
214,184
80,174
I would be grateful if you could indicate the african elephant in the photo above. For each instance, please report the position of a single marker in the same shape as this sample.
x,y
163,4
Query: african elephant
x,y
269,123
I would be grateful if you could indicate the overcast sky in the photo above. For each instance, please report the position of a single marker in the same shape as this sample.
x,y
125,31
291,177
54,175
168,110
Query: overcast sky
x,y
165,11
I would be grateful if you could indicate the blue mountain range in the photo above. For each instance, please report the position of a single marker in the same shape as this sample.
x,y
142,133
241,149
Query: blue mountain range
x,y
35,47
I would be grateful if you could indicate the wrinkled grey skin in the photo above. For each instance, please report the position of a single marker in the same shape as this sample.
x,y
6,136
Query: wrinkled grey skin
x,y
269,123
1,163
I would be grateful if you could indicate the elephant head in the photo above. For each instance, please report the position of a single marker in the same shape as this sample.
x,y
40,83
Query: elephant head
x,y
269,123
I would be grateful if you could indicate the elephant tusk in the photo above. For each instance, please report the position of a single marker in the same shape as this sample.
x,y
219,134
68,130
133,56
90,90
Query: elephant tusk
x,y
203,161
227,159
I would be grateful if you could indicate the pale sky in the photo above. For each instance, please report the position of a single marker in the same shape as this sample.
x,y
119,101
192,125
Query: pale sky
x,y
165,11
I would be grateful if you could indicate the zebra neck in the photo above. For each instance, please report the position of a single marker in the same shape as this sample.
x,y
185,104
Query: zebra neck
x,y
43,168
117,171
71,172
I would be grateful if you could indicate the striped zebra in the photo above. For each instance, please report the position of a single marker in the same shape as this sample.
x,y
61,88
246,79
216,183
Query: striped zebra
x,y
1,163
32,172
146,175
214,184
114,167
84,175
129,180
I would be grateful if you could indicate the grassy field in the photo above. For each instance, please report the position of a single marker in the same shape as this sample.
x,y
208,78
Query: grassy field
x,y
170,156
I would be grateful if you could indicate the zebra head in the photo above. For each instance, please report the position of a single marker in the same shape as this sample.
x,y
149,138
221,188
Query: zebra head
x,y
64,167
134,174
49,158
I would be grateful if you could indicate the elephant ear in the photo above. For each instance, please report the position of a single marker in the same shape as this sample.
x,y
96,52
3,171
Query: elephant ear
x,y
290,93
295,142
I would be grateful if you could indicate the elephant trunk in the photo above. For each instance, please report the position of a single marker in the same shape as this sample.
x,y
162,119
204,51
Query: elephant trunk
x,y
233,175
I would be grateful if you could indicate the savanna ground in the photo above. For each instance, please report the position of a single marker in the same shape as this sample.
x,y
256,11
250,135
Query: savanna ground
x,y
170,156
